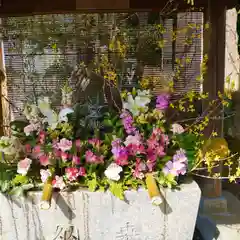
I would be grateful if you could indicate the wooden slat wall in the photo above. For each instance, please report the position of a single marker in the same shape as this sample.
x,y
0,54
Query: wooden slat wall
x,y
21,77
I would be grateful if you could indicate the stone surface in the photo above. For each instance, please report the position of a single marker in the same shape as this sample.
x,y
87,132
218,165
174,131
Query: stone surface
x,y
100,216
222,225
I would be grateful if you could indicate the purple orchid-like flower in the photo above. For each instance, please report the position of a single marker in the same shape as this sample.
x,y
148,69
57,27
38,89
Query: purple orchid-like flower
x,y
178,165
127,121
162,101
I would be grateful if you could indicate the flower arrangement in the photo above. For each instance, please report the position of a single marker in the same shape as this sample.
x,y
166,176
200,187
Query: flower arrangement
x,y
93,146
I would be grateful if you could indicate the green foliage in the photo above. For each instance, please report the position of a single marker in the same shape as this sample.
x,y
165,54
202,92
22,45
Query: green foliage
x,y
190,143
166,180
116,188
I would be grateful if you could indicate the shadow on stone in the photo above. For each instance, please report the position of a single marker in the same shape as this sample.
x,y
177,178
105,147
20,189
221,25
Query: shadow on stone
x,y
165,207
64,206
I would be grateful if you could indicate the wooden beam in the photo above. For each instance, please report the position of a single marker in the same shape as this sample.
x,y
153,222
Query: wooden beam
x,y
31,7
214,46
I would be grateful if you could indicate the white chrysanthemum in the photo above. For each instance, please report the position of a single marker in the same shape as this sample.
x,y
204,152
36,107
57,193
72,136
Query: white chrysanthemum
x,y
113,172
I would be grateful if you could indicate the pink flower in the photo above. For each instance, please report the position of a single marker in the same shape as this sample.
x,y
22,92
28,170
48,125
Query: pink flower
x,y
58,182
57,153
44,160
64,144
160,151
64,156
37,149
95,142
78,143
151,159
82,171
76,160
133,139
92,158
120,153
28,148
72,173
37,152
23,166
45,174
135,149
139,169
31,128
42,136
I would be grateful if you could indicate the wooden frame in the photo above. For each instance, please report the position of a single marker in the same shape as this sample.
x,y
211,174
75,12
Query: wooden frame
x,y
30,7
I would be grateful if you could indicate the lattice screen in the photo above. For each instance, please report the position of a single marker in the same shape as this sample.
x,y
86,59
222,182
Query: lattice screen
x,y
41,51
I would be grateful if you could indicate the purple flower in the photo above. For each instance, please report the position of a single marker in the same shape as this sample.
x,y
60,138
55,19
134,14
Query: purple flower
x,y
178,165
162,101
180,156
120,153
127,121
174,168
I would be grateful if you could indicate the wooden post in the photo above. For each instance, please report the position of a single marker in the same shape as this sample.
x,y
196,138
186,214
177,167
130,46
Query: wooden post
x,y
214,46
2,79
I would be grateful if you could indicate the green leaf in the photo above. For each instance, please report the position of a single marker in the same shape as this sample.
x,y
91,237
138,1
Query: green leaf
x,y
17,192
92,184
19,179
5,186
117,190
107,139
27,187
119,123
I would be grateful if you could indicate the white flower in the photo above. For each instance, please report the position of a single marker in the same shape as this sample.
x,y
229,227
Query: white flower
x,y
44,105
45,108
23,166
58,182
113,171
63,114
10,145
177,128
31,112
45,174
140,102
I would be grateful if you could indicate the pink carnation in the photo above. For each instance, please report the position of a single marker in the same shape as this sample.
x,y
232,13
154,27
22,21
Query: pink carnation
x,y
44,160
82,171
64,144
72,173
64,156
76,160
92,158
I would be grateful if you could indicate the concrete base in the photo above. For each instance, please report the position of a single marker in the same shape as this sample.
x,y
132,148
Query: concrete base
x,y
221,222
101,216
